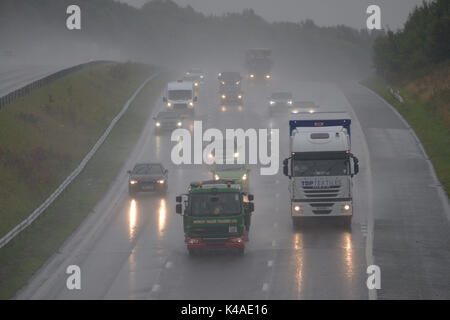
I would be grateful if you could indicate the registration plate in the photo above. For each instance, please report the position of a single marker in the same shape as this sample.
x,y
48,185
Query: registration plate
x,y
148,187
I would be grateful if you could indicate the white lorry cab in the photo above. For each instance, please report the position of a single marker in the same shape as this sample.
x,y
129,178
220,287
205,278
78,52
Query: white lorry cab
x,y
321,166
180,96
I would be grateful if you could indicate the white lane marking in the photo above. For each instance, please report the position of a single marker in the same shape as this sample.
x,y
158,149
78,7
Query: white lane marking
x,y
275,224
169,265
274,243
265,287
270,263
156,287
369,239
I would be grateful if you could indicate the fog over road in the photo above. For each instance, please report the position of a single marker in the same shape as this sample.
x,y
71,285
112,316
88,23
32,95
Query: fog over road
x,y
134,249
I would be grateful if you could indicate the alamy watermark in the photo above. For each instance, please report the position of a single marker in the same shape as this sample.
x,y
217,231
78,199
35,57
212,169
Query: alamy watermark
x,y
234,144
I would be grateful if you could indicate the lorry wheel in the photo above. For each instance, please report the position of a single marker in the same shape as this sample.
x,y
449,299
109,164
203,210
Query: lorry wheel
x,y
192,252
240,251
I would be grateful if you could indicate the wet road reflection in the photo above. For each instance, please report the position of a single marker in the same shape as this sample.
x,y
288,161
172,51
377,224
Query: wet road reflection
x,y
162,217
132,219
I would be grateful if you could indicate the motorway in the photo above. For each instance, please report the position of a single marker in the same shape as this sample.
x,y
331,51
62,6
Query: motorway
x,y
134,249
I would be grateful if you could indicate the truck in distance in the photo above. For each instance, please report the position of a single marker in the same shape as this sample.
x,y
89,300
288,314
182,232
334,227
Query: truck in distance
x,y
180,97
194,75
230,88
258,63
216,215
321,167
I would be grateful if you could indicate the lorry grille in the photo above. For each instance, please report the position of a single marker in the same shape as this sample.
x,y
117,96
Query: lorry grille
x,y
210,230
180,106
323,192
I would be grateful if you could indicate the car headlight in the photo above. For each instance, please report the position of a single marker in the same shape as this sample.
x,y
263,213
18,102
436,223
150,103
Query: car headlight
x,y
158,124
216,177
133,181
244,177
252,76
224,96
240,96
179,124
236,154
289,102
223,82
272,102
196,84
311,111
201,77
191,104
161,181
237,82
169,104
267,76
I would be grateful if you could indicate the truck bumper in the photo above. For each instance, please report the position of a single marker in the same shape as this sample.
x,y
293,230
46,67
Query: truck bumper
x,y
215,243
317,209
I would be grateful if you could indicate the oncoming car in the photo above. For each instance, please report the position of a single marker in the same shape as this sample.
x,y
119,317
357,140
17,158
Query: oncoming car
x,y
169,120
280,102
147,177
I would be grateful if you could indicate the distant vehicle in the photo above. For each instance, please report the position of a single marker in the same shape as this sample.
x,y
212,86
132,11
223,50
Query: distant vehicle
x,y
147,177
258,63
180,96
169,120
216,215
225,166
304,107
196,76
280,102
320,170
230,88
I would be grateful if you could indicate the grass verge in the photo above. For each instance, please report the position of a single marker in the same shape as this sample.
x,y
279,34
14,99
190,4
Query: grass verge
x,y
429,127
25,254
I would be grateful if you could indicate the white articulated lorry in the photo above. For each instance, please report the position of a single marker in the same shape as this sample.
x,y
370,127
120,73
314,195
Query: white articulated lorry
x,y
321,166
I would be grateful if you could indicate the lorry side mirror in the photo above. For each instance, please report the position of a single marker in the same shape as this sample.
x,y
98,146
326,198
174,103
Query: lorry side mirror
x,y
355,164
285,167
356,167
250,197
251,207
178,209
178,199
164,99
195,99
166,171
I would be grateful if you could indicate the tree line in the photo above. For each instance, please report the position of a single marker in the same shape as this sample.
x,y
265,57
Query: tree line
x,y
424,41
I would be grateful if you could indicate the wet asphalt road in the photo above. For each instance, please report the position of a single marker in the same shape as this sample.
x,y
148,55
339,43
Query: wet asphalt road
x,y
134,249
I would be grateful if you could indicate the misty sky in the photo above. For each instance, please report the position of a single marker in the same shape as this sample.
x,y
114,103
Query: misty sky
x,y
324,12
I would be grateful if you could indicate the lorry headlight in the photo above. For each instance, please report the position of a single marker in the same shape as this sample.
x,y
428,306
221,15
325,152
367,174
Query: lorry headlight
x,y
179,124
169,104
216,177
289,102
224,96
201,77
161,181
223,82
237,82
240,96
196,84
346,207
297,208
267,76
193,241
252,76
295,111
133,181
272,102
191,104
236,154
244,177
158,124
236,240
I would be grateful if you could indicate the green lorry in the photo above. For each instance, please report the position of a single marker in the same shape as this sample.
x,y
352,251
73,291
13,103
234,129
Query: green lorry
x,y
216,215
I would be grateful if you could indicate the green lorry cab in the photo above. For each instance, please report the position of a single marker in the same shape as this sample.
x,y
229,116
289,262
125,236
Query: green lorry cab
x,y
216,215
